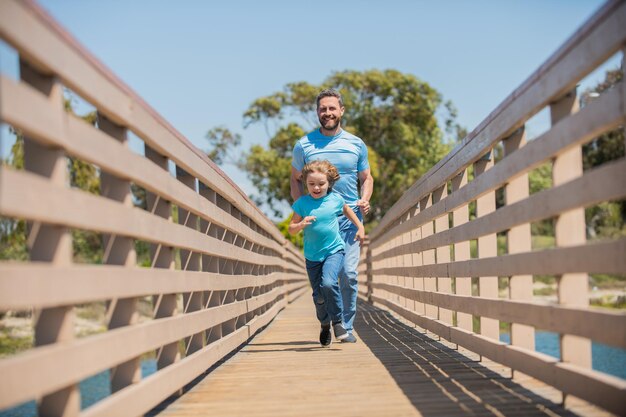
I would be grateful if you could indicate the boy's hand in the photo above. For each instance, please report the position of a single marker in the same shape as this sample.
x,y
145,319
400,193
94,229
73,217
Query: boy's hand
x,y
307,221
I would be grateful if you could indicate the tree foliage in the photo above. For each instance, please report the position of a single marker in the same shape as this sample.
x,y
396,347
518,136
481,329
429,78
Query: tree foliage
x,y
606,219
13,232
222,141
394,113
87,245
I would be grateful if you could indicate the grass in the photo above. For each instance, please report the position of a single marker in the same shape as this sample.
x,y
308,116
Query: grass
x,y
607,281
618,304
545,291
542,242
12,345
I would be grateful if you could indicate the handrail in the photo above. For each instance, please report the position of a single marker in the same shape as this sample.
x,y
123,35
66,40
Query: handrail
x,y
220,269
419,265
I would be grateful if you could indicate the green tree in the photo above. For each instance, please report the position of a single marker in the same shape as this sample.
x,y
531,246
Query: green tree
x,y
606,219
222,141
394,113
86,244
12,231
283,226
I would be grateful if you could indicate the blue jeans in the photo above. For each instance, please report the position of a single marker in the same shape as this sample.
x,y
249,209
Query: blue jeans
x,y
348,276
326,296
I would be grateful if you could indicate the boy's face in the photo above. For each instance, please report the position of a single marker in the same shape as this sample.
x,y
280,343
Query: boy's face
x,y
317,184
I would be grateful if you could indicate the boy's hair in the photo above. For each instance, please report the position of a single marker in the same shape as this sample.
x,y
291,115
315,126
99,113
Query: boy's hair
x,y
323,167
329,92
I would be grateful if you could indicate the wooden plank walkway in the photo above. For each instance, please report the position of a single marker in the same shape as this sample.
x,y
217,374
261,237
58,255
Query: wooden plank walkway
x,y
393,370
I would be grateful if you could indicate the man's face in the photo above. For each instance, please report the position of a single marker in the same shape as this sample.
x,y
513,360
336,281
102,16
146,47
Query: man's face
x,y
329,112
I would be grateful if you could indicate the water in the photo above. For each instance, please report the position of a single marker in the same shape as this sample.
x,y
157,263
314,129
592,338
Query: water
x,y
92,390
608,359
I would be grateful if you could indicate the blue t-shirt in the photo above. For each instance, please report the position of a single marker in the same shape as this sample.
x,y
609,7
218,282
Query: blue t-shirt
x,y
321,238
344,150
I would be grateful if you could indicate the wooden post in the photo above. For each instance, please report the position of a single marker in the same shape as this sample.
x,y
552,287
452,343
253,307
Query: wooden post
x,y
428,258
394,262
463,285
387,263
405,260
240,268
370,275
442,223
119,250
51,244
227,266
211,264
570,231
487,248
162,257
190,261
416,260
519,241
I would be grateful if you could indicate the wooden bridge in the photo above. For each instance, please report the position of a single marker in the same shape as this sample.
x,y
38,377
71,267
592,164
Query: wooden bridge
x,y
230,320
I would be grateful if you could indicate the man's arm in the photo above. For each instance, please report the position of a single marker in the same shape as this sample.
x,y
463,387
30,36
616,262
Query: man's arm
x,y
295,183
360,234
367,188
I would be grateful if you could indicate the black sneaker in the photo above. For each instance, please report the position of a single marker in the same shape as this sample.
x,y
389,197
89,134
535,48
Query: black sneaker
x,y
340,332
325,336
350,339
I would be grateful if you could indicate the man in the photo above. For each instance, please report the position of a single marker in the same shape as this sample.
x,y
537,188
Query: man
x,y
349,154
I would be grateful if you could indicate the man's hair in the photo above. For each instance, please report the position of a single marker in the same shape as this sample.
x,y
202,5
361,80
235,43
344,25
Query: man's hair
x,y
329,92
323,167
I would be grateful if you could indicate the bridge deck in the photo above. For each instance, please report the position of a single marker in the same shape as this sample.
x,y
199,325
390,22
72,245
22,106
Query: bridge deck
x,y
394,370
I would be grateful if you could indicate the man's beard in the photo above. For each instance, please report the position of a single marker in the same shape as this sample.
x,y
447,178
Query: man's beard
x,y
331,123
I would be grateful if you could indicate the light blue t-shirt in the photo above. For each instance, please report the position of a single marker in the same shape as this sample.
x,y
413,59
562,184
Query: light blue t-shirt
x,y
321,238
344,150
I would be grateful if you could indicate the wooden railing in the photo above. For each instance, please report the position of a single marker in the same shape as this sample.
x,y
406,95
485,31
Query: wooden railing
x,y
419,263
216,275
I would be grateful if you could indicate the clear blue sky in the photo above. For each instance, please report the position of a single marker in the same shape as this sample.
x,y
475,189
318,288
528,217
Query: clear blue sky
x,y
201,63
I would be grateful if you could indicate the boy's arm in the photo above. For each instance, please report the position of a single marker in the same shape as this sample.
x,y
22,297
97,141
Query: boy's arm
x,y
298,223
360,234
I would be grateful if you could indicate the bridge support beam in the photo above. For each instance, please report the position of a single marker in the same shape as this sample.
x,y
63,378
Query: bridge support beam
x,y
487,248
53,244
519,241
570,231
442,223
119,250
162,257
462,285
190,261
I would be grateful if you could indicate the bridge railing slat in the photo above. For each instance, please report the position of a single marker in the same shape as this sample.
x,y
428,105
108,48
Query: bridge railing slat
x,y
541,205
577,321
44,286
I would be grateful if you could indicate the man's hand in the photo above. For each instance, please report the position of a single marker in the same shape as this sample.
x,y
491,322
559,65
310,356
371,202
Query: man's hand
x,y
360,234
364,206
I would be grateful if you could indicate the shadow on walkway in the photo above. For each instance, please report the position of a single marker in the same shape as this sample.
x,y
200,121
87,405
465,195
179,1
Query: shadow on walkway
x,y
438,380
